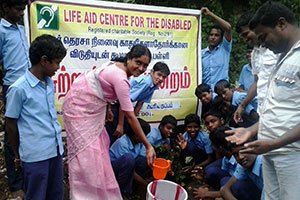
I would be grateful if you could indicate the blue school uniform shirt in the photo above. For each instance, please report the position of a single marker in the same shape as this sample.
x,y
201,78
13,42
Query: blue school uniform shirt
x,y
31,102
215,63
238,97
229,164
255,174
246,77
14,54
123,145
202,141
206,107
142,88
155,138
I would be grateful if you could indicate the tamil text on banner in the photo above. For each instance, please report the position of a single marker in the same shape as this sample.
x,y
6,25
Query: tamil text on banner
x,y
95,32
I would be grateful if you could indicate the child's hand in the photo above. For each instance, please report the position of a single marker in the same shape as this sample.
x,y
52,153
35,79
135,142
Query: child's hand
x,y
186,169
119,131
181,141
166,146
200,192
198,173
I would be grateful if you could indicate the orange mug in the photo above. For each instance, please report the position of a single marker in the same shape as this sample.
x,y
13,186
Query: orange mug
x,y
160,168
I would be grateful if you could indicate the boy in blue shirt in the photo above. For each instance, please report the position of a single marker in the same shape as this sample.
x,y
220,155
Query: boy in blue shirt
x,y
15,61
194,142
247,180
205,94
143,87
215,58
126,159
141,90
224,167
234,98
161,135
31,122
213,119
242,173
246,77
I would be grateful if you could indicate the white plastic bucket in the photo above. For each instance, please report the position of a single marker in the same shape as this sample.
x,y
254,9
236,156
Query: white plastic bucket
x,y
165,190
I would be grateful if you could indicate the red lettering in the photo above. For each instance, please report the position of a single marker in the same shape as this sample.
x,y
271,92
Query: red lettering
x,y
177,80
113,19
72,16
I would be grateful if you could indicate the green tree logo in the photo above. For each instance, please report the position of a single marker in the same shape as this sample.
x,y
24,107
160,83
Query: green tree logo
x,y
47,17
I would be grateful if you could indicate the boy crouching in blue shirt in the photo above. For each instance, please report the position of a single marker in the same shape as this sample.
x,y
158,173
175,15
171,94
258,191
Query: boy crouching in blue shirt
x,y
31,122
126,159
194,142
216,172
247,180
235,98
161,135
243,180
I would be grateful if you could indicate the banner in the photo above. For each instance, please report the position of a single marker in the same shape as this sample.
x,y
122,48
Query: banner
x,y
95,32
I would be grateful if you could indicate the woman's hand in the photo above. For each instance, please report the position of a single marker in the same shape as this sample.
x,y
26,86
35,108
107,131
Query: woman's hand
x,y
150,155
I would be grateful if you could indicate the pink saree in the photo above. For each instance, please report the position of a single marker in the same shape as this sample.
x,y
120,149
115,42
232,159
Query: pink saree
x,y
90,172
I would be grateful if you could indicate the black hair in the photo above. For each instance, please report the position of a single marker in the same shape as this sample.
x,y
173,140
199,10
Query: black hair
x,y
221,84
162,67
213,112
203,87
145,127
218,28
269,13
250,46
11,3
168,119
243,21
218,138
191,118
46,45
136,51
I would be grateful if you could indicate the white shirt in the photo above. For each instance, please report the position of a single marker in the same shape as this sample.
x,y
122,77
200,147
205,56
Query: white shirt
x,y
263,62
280,110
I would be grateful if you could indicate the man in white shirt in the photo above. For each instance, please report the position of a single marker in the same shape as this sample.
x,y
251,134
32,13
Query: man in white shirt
x,y
279,126
262,61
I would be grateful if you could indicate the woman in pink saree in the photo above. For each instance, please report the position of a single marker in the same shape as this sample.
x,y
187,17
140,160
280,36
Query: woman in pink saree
x,y
90,172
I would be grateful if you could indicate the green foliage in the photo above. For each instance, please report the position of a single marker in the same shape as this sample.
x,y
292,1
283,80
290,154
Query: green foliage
x,y
177,165
180,167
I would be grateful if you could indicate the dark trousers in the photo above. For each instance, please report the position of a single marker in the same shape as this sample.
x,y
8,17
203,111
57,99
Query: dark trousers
x,y
197,154
124,168
245,190
15,178
44,179
214,174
